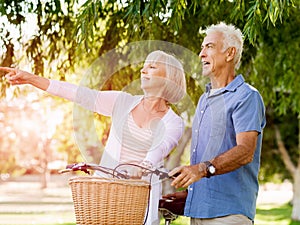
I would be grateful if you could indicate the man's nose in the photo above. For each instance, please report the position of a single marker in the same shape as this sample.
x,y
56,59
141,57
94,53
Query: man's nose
x,y
202,53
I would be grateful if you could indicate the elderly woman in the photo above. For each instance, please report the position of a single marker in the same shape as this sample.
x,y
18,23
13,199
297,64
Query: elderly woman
x,y
144,127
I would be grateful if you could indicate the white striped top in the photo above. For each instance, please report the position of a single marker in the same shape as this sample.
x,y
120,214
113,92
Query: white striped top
x,y
136,142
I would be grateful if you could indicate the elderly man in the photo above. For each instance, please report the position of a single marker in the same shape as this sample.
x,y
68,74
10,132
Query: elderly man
x,y
222,179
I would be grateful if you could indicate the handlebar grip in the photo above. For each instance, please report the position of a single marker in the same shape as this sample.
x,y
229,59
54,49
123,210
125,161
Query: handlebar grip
x,y
175,175
70,166
64,170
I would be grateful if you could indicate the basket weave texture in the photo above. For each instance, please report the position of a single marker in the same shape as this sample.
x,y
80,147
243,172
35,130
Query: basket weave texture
x,y
109,201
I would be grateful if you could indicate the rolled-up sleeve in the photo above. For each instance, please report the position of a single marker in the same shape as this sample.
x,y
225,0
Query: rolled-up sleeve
x,y
249,114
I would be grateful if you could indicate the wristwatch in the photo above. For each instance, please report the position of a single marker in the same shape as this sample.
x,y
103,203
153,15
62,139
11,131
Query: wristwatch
x,y
210,169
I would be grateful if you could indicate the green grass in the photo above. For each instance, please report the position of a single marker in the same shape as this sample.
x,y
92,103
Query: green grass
x,y
274,215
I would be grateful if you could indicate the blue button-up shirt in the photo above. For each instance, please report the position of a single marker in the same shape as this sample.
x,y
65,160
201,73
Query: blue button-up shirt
x,y
236,108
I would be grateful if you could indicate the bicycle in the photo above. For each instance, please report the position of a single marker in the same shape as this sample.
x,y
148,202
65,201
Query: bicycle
x,y
118,199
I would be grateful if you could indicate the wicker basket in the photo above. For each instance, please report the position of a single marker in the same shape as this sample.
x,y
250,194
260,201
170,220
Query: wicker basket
x,y
108,201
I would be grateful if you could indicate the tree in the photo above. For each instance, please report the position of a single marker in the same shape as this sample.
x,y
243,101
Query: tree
x,y
275,61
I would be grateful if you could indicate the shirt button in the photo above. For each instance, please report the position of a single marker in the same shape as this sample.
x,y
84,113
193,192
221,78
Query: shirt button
x,y
194,150
196,130
191,189
202,111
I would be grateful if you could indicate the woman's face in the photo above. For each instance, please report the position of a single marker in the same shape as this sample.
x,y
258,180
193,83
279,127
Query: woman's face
x,y
153,75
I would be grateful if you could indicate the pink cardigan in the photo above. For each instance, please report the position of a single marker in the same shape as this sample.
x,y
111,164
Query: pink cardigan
x,y
118,105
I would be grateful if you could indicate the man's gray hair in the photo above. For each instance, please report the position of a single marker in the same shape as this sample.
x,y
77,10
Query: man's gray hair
x,y
233,37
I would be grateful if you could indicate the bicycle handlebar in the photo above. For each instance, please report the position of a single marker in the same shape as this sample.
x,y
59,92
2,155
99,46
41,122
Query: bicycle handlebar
x,y
162,173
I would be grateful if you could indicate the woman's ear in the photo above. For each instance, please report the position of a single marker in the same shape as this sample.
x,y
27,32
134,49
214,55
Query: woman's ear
x,y
230,54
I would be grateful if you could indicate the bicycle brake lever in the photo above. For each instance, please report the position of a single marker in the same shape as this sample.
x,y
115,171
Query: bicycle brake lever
x,y
164,174
78,166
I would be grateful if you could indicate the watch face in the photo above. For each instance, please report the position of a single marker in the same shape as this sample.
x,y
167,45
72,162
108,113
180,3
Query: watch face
x,y
212,169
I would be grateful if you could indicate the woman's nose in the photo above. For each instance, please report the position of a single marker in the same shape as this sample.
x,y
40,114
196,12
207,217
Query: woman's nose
x,y
143,70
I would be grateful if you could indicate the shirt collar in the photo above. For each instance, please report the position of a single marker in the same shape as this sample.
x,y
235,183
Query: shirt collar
x,y
232,86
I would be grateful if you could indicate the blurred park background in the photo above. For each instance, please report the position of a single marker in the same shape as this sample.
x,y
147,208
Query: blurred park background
x,y
61,39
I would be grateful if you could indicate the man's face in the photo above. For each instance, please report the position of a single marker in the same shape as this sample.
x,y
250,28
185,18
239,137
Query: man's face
x,y
212,55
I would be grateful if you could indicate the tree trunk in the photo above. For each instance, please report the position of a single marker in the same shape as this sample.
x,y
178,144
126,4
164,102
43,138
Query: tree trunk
x,y
295,171
296,198
45,174
284,152
44,179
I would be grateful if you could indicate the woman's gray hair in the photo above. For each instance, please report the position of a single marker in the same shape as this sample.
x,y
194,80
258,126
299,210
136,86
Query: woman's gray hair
x,y
232,37
175,85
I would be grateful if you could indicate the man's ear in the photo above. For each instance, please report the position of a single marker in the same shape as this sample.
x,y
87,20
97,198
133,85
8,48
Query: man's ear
x,y
230,54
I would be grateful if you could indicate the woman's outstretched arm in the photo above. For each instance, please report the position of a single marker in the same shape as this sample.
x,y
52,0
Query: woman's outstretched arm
x,y
101,102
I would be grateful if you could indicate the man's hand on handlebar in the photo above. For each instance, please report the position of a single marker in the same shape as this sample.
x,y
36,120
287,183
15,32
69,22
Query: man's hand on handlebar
x,y
185,175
